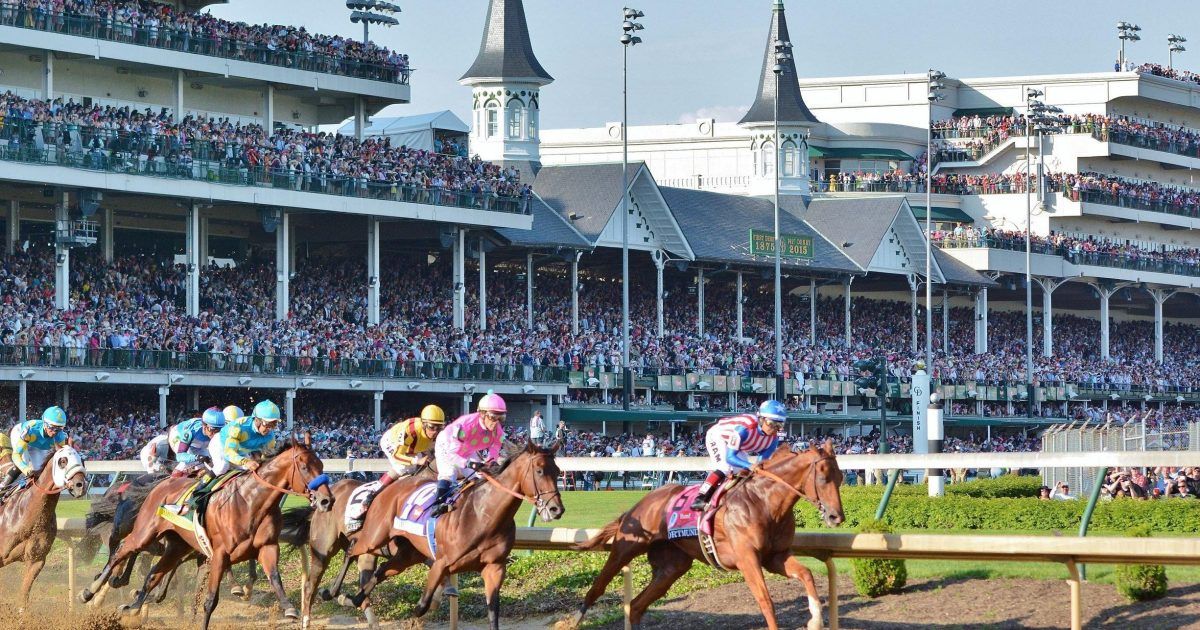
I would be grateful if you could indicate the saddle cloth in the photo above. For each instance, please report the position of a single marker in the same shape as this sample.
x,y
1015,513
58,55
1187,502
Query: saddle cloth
x,y
189,521
683,521
414,517
357,505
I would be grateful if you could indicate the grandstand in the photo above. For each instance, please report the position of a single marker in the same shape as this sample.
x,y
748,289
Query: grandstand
x,y
183,230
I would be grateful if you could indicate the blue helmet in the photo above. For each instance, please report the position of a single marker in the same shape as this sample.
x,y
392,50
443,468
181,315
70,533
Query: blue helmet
x,y
773,410
55,416
267,410
213,418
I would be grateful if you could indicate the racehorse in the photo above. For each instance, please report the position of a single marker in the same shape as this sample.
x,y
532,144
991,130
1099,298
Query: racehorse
x,y
752,530
27,522
118,507
476,535
242,523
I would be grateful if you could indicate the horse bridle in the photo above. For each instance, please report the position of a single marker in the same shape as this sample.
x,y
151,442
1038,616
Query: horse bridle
x,y
537,500
311,485
34,482
759,470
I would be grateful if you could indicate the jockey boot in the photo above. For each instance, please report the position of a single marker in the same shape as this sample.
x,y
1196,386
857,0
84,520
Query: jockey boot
x,y
386,479
714,479
13,474
441,503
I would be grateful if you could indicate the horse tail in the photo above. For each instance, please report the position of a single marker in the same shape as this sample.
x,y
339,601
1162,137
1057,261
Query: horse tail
x,y
607,534
295,526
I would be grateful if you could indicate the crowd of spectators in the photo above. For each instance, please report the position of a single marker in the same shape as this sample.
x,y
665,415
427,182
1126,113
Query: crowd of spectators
x,y
150,142
1129,193
1159,70
163,26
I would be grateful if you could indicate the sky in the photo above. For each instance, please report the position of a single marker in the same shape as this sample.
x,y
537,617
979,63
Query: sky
x,y
701,58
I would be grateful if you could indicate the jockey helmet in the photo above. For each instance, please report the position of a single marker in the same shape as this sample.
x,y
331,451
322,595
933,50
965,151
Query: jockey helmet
x,y
266,411
772,410
492,402
233,413
213,418
433,414
55,416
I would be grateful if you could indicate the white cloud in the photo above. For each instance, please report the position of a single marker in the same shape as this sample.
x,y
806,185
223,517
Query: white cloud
x,y
723,113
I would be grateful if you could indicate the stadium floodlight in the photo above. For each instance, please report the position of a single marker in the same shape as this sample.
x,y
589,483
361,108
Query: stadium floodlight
x,y
783,61
175,378
306,382
27,373
372,12
355,384
627,39
934,88
528,389
469,387
1126,32
412,385
593,381
1174,45
1114,396
102,376
245,380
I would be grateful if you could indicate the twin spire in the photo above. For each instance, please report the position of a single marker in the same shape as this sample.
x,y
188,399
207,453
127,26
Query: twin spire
x,y
791,104
505,52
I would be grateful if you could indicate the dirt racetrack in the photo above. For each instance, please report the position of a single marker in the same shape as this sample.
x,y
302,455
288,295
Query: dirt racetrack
x,y
953,602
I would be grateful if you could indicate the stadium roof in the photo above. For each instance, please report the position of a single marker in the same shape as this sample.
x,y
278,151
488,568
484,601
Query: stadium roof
x,y
717,226
444,120
550,229
506,52
791,103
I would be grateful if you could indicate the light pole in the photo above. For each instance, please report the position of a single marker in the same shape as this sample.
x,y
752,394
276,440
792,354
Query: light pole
x,y
1126,32
628,28
1035,113
372,12
1174,45
934,87
783,54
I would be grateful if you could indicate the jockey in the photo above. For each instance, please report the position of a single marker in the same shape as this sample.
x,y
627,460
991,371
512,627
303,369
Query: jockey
x,y
468,444
238,440
156,455
189,439
732,440
233,413
34,441
404,445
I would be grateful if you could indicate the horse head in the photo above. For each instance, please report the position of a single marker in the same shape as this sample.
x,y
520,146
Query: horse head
x,y
536,477
822,485
299,470
67,471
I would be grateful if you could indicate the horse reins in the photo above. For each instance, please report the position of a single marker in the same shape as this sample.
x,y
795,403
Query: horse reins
x,y
295,464
537,500
759,470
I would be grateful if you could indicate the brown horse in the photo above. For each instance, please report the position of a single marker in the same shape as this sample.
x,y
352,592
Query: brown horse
x,y
27,522
752,530
242,522
477,535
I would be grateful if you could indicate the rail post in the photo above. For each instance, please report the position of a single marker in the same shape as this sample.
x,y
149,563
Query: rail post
x,y
71,575
831,572
627,594
1076,585
454,603
1091,507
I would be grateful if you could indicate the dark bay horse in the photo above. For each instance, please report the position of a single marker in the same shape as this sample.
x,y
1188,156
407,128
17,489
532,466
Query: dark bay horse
x,y
242,522
28,525
752,530
116,510
477,535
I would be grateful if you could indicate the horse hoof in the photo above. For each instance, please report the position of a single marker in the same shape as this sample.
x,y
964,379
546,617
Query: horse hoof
x,y
126,609
326,595
86,596
238,591
344,600
291,613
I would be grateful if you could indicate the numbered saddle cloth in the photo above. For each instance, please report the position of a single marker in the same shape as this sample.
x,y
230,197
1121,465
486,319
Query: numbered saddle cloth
x,y
414,517
358,503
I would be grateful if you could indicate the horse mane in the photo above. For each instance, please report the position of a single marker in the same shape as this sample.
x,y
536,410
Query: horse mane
x,y
510,451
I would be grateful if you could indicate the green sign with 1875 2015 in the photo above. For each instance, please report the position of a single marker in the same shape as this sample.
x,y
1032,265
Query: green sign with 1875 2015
x,y
762,243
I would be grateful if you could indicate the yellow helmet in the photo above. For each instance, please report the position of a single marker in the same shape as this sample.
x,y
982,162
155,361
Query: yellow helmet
x,y
433,414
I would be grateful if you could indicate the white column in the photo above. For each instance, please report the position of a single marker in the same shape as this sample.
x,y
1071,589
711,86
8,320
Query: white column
x,y
1160,296
107,235
291,409
739,306
22,399
459,287
482,286
269,108
66,396
373,277
700,301
914,283
659,261
47,75
283,266
812,311
163,392
192,250
529,291
204,243
1048,287
945,322
378,399
575,293
194,393
846,283
1104,323
178,104
62,263
981,323
360,117
14,225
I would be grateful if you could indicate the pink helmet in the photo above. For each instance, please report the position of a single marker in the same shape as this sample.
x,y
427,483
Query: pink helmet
x,y
492,402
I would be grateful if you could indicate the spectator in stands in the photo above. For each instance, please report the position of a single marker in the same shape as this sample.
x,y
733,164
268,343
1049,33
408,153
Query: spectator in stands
x,y
1062,492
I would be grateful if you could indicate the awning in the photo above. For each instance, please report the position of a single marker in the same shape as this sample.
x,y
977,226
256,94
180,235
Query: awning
x,y
983,111
951,215
862,153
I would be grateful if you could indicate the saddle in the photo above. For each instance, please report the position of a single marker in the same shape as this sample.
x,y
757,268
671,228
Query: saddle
x,y
14,489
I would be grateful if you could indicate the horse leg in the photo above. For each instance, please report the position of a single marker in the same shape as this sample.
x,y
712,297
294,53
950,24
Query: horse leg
x,y
667,564
33,566
317,564
336,588
217,566
135,542
251,575
788,566
438,572
122,579
172,555
752,570
623,552
269,557
493,577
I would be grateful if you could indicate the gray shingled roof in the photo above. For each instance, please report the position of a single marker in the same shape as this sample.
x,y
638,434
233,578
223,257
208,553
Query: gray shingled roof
x,y
791,103
550,229
589,190
957,272
717,226
506,52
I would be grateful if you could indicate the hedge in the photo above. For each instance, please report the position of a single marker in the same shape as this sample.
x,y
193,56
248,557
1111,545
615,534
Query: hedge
x,y
877,576
910,510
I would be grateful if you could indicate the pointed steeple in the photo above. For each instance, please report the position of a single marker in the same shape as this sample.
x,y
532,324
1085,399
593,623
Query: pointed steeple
x,y
791,105
505,52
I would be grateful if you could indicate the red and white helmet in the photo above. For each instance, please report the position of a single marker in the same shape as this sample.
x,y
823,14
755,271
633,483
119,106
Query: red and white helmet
x,y
492,402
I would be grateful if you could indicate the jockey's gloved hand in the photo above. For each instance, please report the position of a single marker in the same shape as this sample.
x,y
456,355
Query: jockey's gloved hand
x,y
476,465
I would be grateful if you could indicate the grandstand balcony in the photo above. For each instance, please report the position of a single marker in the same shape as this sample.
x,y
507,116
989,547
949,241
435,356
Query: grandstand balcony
x,y
1123,208
29,158
162,49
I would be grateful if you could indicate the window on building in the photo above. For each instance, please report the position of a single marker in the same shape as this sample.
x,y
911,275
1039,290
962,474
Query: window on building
x,y
789,160
533,123
768,160
493,125
514,121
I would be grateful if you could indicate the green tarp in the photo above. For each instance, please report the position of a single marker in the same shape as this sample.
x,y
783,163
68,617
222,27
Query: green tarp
x,y
862,153
943,214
